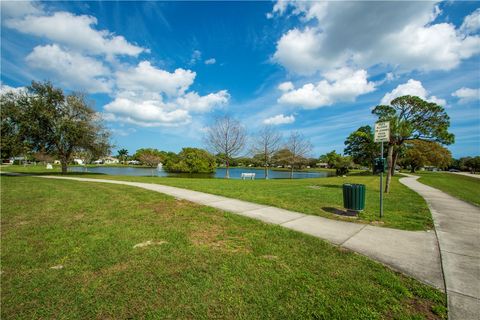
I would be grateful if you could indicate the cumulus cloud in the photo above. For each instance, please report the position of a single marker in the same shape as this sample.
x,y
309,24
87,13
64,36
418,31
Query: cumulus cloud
x,y
412,88
149,96
75,31
286,86
471,23
341,85
16,9
145,77
144,113
211,61
73,69
399,34
279,119
6,89
466,95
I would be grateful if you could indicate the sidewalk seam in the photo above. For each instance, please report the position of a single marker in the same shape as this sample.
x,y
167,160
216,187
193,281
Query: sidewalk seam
x,y
353,235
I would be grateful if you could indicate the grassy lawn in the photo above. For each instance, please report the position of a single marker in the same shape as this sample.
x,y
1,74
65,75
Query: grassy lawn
x,y
462,187
203,263
403,208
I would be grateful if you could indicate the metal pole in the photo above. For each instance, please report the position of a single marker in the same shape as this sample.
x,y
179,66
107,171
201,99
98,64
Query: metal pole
x,y
381,184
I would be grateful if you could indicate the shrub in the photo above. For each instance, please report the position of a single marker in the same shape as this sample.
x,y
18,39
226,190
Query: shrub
x,y
191,160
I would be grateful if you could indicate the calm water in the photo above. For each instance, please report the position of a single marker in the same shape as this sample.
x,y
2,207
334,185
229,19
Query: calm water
x,y
235,173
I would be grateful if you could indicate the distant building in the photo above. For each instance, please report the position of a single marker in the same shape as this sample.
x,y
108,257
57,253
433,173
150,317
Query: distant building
x,y
322,165
110,160
78,161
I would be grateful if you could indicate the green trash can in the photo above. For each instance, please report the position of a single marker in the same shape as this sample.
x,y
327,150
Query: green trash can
x,y
354,196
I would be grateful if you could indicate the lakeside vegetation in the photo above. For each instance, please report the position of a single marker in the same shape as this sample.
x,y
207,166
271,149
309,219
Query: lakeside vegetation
x,y
70,252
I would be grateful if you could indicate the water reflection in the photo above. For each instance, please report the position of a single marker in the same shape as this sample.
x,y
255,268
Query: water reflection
x,y
235,173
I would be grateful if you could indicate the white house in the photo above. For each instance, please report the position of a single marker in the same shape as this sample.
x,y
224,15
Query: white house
x,y
110,160
78,161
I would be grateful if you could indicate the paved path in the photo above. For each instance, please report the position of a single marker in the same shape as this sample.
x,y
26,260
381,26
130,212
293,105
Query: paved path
x,y
414,253
457,224
467,174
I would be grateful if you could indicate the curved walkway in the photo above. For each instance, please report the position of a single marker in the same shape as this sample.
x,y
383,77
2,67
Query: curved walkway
x,y
414,253
457,224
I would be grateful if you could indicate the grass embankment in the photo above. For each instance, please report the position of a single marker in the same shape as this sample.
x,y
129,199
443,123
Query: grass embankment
x,y
403,208
203,263
462,187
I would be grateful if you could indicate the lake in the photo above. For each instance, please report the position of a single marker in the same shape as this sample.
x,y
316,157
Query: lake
x,y
235,173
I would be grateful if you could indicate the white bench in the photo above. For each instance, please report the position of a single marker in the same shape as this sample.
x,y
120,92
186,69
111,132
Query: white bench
x,y
246,175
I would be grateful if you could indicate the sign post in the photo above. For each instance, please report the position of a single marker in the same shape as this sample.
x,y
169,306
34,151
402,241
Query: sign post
x,y
382,134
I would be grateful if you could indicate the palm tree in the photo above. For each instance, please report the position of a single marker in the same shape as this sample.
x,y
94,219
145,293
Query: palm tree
x,y
122,155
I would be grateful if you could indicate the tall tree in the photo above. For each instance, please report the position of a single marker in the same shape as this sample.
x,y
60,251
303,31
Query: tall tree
x,y
281,157
361,147
299,148
421,153
266,143
412,118
122,155
150,157
226,136
331,158
45,119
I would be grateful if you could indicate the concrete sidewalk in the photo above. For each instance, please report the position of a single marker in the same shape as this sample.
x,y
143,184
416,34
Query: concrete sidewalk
x,y
457,224
467,174
414,253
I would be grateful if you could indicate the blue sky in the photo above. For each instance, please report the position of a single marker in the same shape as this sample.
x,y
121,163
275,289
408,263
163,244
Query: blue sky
x,y
159,72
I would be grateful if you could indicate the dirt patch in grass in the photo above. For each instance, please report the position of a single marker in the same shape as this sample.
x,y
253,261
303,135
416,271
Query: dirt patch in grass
x,y
418,306
214,236
169,208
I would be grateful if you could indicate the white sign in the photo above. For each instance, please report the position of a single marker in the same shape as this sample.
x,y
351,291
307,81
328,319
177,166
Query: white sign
x,y
382,131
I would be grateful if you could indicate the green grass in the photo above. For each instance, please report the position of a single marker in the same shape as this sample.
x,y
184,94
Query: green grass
x,y
403,208
212,265
462,187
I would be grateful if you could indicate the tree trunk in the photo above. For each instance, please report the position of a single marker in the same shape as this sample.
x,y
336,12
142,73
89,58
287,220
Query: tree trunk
x,y
266,172
389,171
291,171
394,161
64,166
227,171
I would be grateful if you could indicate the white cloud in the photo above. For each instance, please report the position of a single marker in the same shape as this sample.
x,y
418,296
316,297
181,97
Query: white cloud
x,y
73,70
149,96
194,102
144,113
466,95
412,88
123,132
471,23
145,77
340,85
211,61
76,32
6,89
279,119
399,34
286,86
196,56
15,9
